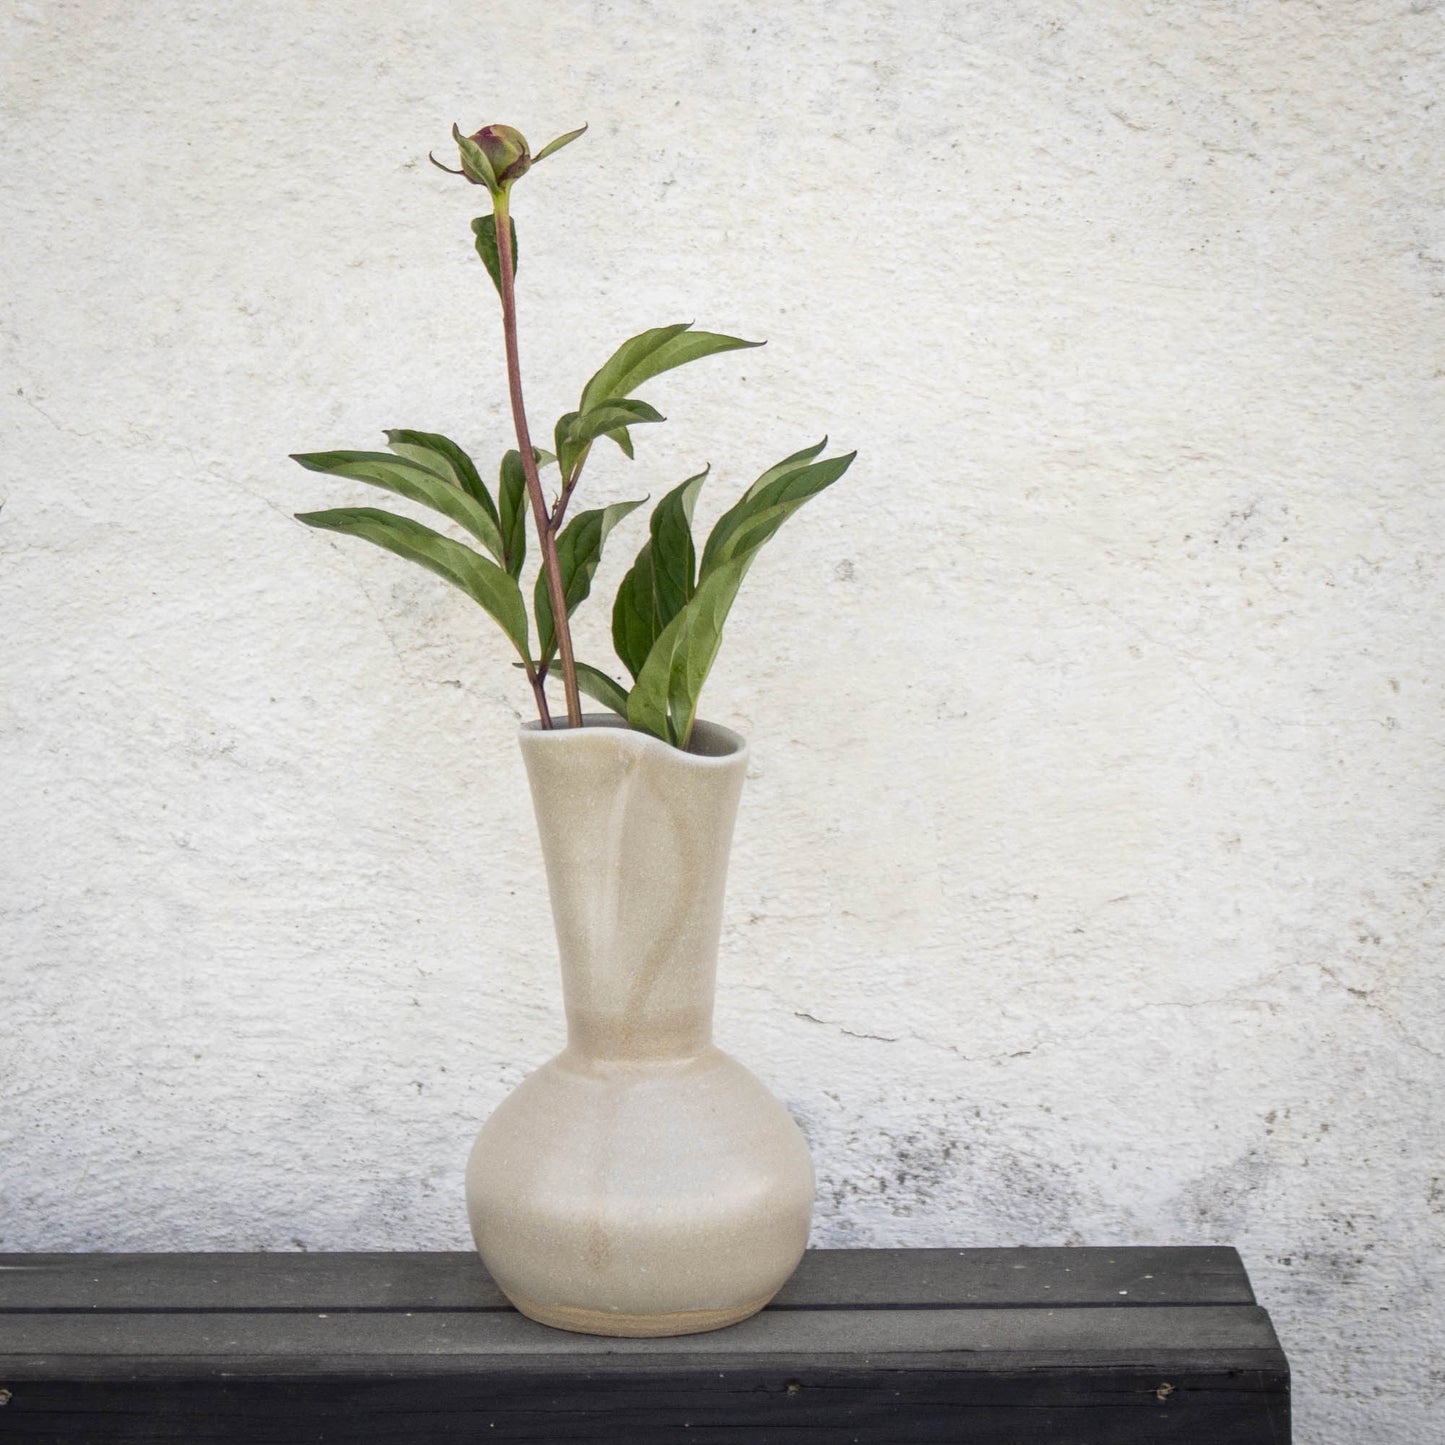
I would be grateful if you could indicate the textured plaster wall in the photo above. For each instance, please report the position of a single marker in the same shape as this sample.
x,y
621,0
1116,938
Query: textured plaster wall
x,y
1086,887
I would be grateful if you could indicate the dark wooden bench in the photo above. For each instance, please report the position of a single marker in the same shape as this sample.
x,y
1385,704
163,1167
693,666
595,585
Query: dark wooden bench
x,y
1070,1346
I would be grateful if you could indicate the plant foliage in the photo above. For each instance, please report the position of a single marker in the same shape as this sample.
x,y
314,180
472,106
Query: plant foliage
x,y
671,606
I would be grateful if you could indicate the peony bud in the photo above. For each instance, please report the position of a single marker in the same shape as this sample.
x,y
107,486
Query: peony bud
x,y
497,155
506,151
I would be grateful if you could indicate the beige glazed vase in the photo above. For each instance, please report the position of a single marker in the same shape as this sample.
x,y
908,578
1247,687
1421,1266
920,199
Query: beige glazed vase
x,y
642,1182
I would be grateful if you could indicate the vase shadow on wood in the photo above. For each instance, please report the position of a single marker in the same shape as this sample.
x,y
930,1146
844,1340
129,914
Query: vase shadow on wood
x,y
642,1182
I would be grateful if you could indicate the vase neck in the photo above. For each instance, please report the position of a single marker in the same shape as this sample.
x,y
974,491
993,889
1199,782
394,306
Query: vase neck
x,y
636,837
654,1036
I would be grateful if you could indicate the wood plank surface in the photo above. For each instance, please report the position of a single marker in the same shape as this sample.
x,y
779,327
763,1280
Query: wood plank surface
x,y
186,1344
991,1347
827,1278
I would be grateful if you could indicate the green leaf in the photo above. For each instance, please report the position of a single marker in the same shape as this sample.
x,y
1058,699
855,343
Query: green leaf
x,y
680,656
612,414
448,169
611,378
634,613
414,482
576,431
651,352
623,439
674,558
485,230
661,580
474,160
562,440
446,459
598,685
664,700
758,514
512,503
579,550
647,702
556,145
786,465
484,582
692,661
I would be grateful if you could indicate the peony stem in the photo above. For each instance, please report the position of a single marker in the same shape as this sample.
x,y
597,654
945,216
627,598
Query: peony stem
x,y
546,538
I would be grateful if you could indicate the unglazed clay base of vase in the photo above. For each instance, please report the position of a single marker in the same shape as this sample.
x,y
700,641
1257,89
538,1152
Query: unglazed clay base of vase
x,y
642,1182
635,1327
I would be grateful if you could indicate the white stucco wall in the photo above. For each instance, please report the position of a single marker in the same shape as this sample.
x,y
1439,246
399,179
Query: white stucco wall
x,y
1086,887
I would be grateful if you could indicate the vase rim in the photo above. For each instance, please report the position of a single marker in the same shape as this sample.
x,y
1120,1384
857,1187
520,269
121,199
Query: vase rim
x,y
711,745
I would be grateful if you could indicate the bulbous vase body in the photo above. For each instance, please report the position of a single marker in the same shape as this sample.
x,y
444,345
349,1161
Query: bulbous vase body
x,y
642,1182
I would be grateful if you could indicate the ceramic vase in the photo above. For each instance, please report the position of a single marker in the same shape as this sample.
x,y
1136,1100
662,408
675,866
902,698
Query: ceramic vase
x,y
642,1182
